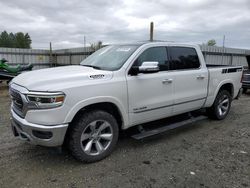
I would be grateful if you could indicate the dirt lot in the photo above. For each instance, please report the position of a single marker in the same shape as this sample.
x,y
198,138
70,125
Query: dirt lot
x,y
206,154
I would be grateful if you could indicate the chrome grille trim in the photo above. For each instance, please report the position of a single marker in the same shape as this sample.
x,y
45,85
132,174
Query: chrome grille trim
x,y
16,99
19,101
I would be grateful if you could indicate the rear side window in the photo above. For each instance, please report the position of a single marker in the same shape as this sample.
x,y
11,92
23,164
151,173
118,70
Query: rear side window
x,y
183,58
158,54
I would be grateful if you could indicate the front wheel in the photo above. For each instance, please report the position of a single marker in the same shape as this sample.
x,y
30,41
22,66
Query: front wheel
x,y
221,106
93,136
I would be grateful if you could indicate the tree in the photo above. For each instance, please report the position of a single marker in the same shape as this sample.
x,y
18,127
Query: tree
x,y
96,46
12,39
211,42
4,39
17,40
20,40
28,41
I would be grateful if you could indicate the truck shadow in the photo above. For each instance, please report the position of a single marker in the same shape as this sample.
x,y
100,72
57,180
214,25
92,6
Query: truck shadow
x,y
59,156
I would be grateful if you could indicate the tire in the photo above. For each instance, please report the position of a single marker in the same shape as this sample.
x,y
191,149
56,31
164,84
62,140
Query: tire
x,y
93,136
220,108
244,90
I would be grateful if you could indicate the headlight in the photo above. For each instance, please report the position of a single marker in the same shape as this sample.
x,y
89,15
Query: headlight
x,y
45,100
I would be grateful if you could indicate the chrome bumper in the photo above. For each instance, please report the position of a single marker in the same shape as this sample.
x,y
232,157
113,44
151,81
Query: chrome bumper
x,y
42,135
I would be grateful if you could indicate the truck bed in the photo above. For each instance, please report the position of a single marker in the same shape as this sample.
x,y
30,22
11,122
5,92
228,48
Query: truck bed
x,y
218,66
220,74
225,68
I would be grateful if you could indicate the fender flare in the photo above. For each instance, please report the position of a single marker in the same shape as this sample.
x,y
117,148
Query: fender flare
x,y
228,81
95,100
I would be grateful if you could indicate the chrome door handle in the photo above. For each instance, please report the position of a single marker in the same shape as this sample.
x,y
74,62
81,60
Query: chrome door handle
x,y
200,77
167,81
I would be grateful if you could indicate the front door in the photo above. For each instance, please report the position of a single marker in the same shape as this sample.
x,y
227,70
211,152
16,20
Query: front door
x,y
150,95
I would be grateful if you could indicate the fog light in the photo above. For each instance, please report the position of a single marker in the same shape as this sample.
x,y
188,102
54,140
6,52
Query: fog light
x,y
42,134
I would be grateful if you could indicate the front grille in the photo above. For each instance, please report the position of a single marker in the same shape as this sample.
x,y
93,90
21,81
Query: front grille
x,y
16,99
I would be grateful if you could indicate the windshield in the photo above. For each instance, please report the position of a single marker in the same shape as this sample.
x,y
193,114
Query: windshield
x,y
110,57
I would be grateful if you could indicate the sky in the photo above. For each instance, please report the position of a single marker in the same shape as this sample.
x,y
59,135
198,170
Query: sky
x,y
65,23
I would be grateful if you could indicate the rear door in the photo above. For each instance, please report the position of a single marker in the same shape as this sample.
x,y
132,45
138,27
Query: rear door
x,y
190,79
150,95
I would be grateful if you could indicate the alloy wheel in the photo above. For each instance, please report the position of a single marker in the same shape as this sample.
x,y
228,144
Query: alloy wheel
x,y
96,137
223,105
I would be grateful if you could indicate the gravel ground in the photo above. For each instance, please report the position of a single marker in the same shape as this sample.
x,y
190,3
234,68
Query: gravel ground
x,y
206,154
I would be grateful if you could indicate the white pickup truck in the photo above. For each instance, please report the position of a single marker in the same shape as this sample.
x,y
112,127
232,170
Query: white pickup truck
x,y
117,87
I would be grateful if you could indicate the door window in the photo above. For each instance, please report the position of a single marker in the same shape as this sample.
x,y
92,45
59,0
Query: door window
x,y
183,58
158,54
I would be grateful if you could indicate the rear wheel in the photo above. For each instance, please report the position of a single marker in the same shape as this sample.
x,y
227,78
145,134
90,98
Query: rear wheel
x,y
93,136
221,106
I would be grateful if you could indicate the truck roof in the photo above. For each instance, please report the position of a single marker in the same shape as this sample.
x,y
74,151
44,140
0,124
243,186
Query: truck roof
x,y
140,43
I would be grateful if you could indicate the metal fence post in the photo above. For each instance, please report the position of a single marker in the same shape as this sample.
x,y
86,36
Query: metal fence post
x,y
50,55
231,59
23,59
70,59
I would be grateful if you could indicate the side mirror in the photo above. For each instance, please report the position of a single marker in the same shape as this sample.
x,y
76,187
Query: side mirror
x,y
146,67
149,67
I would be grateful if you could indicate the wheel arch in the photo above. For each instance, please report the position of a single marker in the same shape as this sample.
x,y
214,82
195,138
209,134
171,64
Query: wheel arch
x,y
225,85
228,87
107,104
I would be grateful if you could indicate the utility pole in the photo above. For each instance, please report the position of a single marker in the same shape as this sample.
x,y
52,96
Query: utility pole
x,y
151,31
223,48
84,41
223,42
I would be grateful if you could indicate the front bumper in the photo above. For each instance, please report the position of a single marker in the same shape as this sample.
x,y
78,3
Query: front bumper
x,y
50,136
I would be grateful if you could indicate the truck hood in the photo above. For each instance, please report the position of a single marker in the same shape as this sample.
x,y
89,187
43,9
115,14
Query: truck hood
x,y
53,79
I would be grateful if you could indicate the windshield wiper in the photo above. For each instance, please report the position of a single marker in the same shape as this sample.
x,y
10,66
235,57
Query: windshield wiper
x,y
93,66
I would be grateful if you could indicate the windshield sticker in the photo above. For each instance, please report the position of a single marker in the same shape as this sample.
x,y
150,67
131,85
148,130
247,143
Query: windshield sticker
x,y
123,49
104,51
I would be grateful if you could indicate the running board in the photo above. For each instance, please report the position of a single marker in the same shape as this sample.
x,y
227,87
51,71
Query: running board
x,y
165,128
